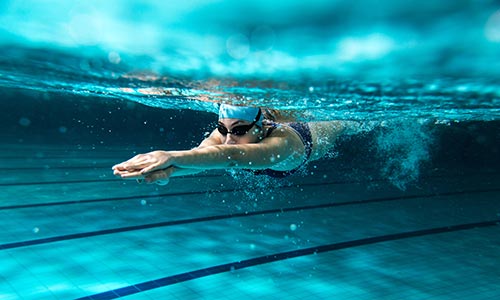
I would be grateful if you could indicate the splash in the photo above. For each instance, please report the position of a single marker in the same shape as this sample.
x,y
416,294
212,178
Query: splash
x,y
256,188
403,147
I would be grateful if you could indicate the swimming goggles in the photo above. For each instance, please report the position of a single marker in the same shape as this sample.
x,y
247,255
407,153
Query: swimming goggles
x,y
239,130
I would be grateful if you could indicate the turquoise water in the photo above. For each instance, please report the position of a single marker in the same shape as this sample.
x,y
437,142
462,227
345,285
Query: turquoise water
x,y
335,60
402,207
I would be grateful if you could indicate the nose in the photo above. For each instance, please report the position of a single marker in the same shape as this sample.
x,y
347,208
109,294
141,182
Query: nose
x,y
230,139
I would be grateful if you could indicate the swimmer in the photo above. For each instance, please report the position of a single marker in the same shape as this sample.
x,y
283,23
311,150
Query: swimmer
x,y
243,139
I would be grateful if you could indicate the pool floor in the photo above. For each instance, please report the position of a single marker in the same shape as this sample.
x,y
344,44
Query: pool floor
x,y
70,230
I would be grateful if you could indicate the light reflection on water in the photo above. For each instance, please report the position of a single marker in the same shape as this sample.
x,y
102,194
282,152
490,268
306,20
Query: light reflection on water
x,y
330,58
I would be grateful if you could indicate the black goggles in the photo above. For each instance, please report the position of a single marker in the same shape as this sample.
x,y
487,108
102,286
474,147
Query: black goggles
x,y
238,130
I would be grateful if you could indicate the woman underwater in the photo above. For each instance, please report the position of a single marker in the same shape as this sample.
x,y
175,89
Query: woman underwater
x,y
243,139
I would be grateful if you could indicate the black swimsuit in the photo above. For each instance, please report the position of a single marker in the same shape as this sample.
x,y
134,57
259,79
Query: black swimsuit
x,y
304,133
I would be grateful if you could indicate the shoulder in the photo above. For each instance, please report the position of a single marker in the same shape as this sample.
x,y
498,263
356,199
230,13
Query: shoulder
x,y
280,129
273,129
283,132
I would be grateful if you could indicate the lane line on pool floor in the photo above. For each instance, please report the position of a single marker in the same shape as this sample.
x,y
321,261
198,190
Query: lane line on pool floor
x,y
48,240
223,268
135,197
69,202
113,179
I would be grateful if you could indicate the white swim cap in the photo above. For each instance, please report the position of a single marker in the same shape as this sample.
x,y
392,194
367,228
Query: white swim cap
x,y
245,113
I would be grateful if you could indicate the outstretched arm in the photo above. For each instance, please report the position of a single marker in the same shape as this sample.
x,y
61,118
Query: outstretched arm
x,y
269,153
127,168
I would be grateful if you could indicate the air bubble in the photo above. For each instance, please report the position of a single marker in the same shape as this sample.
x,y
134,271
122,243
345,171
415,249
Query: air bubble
x,y
238,46
24,122
114,57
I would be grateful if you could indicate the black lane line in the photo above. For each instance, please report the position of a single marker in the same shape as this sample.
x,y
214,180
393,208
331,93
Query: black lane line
x,y
110,199
83,181
162,195
292,185
59,182
39,168
121,180
170,280
72,155
205,219
69,157
431,176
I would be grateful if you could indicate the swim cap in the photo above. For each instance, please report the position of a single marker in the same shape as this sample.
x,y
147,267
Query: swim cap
x,y
245,113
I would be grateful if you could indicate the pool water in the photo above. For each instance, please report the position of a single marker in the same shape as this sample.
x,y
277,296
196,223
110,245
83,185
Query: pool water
x,y
362,223
404,206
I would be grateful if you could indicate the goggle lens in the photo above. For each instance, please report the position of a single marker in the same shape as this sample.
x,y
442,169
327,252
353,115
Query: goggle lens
x,y
238,130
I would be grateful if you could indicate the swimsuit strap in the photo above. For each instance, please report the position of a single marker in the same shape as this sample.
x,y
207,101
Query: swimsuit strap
x,y
304,132
305,135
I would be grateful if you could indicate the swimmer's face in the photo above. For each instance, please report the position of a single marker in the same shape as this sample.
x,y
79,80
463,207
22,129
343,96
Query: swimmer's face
x,y
234,126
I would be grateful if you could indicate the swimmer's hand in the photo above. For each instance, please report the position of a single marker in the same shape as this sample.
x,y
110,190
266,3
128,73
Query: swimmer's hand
x,y
142,164
152,167
160,177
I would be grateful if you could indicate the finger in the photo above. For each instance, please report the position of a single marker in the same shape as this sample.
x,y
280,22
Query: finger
x,y
132,161
132,175
140,158
118,167
123,167
121,172
128,175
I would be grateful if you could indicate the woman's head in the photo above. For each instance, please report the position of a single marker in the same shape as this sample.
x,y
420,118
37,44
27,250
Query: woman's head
x,y
240,124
